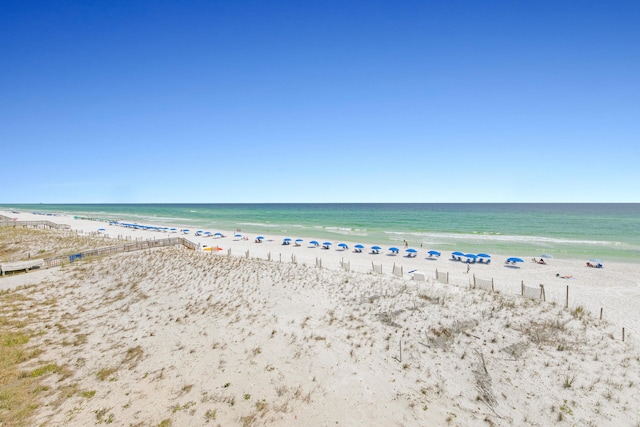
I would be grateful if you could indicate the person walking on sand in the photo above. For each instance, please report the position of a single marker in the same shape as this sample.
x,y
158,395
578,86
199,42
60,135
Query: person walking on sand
x,y
468,268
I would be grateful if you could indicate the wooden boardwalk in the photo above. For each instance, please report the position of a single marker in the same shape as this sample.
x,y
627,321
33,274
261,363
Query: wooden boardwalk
x,y
98,252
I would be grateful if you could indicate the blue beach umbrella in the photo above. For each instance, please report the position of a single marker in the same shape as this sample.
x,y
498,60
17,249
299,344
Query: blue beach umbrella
x,y
514,259
394,250
359,246
483,256
260,238
411,251
287,239
299,240
343,245
457,253
434,253
101,229
327,243
376,248
314,243
237,235
217,235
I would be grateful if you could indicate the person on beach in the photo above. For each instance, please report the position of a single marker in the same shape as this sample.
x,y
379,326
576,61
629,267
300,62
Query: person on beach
x,y
468,268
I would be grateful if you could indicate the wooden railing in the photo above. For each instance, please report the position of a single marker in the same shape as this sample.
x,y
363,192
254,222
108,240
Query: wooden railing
x,y
8,222
111,250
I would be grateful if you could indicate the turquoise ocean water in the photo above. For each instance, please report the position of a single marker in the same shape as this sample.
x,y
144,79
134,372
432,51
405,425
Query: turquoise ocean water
x,y
582,231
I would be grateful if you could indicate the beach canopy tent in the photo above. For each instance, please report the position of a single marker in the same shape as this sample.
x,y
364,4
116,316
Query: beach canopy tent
x,y
484,258
471,258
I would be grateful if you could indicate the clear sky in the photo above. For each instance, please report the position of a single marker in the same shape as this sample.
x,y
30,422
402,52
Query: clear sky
x,y
319,101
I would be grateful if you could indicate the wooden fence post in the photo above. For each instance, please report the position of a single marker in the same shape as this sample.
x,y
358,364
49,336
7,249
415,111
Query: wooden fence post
x,y
566,304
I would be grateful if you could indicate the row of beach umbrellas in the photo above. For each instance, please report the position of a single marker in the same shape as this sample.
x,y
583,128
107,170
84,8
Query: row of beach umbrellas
x,y
457,255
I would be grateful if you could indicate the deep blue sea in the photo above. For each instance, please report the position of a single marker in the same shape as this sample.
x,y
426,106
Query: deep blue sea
x,y
583,231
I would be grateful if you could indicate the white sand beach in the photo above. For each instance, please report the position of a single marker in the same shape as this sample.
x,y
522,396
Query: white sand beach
x,y
261,334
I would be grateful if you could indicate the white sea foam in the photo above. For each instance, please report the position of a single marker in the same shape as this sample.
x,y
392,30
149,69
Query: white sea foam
x,y
259,224
448,237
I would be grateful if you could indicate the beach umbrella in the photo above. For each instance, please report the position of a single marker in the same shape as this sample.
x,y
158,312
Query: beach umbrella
x,y
457,253
483,256
434,253
217,235
314,243
207,233
299,240
376,248
411,251
514,259
359,246
327,243
287,239
260,238
394,250
101,229
546,256
237,235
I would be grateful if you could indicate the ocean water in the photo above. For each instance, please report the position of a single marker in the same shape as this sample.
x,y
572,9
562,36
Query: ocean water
x,y
579,231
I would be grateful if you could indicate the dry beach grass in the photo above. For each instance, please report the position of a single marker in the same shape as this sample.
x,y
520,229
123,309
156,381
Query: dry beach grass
x,y
178,337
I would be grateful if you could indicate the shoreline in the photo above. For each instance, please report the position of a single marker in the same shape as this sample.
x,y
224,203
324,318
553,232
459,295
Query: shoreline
x,y
617,283
497,230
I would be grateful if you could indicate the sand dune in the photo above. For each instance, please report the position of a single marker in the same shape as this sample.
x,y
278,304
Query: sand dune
x,y
183,337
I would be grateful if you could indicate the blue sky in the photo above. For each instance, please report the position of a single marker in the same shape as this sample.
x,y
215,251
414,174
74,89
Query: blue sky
x,y
320,101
